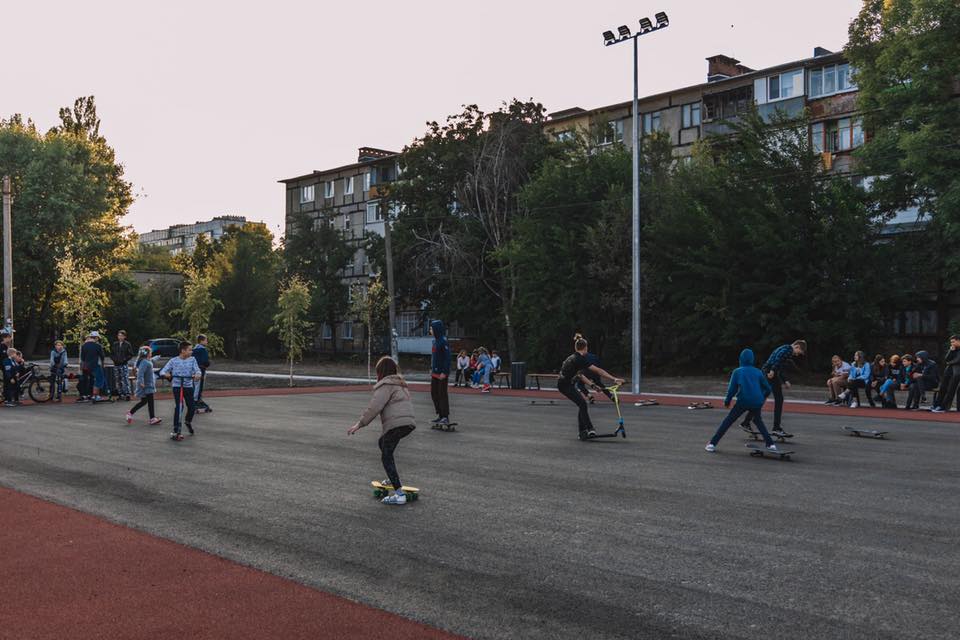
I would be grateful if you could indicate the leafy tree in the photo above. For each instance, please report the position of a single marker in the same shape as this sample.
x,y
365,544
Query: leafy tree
x,y
370,304
245,271
459,202
150,258
198,308
143,311
79,302
69,195
907,59
290,323
316,252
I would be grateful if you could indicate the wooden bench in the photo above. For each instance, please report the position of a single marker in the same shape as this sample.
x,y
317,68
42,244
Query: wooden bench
x,y
501,377
537,376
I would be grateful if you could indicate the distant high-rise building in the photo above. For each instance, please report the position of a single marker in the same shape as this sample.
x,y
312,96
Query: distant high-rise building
x,y
183,237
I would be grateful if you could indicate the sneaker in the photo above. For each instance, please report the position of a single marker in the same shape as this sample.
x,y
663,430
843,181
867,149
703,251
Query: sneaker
x,y
830,401
398,497
938,410
129,418
843,396
854,404
485,389
710,447
591,433
190,428
9,404
387,483
176,436
442,421
155,420
772,447
778,433
584,435
435,420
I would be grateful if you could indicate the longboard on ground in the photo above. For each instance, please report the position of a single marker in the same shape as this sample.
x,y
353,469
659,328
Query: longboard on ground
x,y
700,405
450,426
382,490
866,433
761,451
543,403
782,437
646,403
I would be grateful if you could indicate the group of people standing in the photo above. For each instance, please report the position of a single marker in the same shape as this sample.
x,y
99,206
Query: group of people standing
x,y
881,379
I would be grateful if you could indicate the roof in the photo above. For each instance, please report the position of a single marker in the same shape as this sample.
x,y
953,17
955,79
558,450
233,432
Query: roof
x,y
720,85
361,163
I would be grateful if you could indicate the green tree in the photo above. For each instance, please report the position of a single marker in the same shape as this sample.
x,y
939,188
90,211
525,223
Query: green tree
x,y
149,258
79,302
290,324
69,196
198,308
143,311
370,304
316,252
245,271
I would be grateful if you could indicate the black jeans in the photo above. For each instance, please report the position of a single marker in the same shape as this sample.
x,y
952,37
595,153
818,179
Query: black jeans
x,y
854,387
145,400
583,415
777,386
917,389
188,400
949,387
438,392
388,444
753,415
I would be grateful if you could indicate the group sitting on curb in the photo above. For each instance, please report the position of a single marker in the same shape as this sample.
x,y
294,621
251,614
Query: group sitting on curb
x,y
881,379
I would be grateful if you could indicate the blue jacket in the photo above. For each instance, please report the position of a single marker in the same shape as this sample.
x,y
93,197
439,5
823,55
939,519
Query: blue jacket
x,y
860,373
748,383
440,352
182,371
202,355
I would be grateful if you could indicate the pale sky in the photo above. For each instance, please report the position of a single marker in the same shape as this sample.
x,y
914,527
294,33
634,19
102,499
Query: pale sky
x,y
208,103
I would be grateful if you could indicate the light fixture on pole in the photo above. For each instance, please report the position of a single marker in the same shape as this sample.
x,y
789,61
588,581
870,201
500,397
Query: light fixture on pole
x,y
646,26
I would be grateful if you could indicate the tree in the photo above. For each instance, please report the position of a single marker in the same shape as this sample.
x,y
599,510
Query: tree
x,y
316,252
69,196
150,258
906,54
459,202
79,303
290,322
143,311
370,304
198,308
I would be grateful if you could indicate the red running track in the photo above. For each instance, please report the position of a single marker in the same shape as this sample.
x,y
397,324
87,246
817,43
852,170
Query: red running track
x,y
66,574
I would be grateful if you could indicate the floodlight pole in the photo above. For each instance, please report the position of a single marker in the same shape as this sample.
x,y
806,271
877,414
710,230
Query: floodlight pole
x,y
7,255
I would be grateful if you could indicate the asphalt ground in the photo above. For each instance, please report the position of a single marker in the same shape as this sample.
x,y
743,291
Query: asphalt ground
x,y
522,531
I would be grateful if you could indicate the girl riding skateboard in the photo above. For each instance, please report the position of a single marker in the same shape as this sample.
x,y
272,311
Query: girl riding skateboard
x,y
574,368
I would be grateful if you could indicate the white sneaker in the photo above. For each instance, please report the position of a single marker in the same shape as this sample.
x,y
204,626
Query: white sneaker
x,y
843,396
772,447
710,447
396,498
129,418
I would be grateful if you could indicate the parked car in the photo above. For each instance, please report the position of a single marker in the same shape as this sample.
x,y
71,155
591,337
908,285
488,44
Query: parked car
x,y
165,347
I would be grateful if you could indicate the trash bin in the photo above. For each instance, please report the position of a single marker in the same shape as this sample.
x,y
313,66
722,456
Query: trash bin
x,y
518,375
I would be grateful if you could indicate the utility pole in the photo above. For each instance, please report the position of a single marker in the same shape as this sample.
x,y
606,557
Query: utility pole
x,y
7,256
393,307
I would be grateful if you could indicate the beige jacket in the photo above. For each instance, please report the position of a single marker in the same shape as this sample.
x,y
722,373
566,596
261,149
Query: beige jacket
x,y
391,401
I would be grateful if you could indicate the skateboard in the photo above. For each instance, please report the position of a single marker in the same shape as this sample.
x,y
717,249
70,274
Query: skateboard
x,y
700,405
756,434
382,490
450,426
866,433
761,451
646,403
543,403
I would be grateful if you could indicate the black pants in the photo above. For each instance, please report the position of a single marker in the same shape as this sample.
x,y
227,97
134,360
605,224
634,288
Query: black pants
x,y
146,400
199,395
583,415
917,389
753,415
388,444
438,392
949,388
188,400
854,387
10,391
777,386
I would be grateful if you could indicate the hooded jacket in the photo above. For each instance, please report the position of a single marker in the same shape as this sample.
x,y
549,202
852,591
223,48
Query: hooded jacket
x,y
391,401
146,380
748,383
440,352
928,370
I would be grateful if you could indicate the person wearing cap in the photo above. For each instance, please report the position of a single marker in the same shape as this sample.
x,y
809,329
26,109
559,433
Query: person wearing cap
x,y
91,365
6,340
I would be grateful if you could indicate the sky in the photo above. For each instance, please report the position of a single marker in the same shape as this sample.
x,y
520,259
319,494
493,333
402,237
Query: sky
x,y
208,103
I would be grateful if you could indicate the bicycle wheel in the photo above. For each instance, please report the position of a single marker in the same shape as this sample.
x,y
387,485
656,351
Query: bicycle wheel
x,y
40,390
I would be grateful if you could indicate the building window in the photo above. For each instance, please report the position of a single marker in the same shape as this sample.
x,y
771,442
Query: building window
x,y
816,137
347,331
346,224
327,332
407,324
329,189
785,85
836,135
306,194
691,115
366,182
651,122
374,212
563,136
348,186
834,78
610,132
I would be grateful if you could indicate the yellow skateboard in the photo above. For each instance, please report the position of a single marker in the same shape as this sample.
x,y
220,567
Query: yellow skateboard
x,y
383,489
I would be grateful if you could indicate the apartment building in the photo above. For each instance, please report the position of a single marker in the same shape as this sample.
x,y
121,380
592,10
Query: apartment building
x,y
183,237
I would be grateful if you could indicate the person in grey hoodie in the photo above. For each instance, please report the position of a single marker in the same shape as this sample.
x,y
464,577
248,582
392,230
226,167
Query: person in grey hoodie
x,y
391,401
146,386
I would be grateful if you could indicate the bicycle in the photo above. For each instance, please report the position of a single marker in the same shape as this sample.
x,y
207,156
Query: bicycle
x,y
38,385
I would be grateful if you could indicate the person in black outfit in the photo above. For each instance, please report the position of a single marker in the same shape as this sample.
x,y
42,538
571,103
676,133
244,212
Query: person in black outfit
x,y
951,378
923,378
573,369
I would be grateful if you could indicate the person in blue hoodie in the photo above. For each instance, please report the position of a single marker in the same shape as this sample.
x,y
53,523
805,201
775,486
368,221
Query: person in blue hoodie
x,y
202,356
751,387
440,372
859,378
